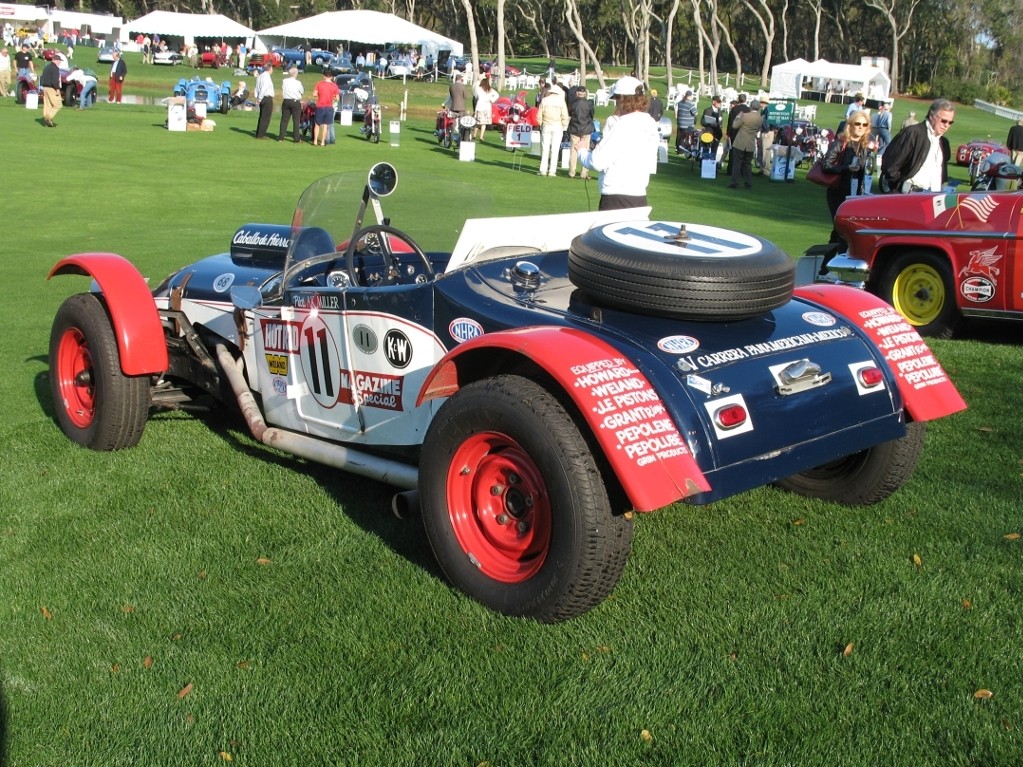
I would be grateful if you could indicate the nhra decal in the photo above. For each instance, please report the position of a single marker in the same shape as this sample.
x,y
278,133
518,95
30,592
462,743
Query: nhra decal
x,y
280,336
397,349
714,359
465,329
678,344
902,346
377,390
631,409
977,289
223,283
820,319
663,237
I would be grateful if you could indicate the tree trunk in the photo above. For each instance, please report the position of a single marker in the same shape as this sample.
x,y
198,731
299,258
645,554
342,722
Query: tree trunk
x,y
473,43
500,46
668,40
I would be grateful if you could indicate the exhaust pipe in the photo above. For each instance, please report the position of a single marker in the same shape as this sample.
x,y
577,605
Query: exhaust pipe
x,y
385,470
405,504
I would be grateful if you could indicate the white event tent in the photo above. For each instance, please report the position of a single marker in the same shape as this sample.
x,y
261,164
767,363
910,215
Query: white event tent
x,y
366,27
188,25
788,79
53,20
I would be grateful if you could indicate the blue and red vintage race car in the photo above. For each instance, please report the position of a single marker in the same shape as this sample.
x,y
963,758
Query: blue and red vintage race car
x,y
939,259
216,98
527,386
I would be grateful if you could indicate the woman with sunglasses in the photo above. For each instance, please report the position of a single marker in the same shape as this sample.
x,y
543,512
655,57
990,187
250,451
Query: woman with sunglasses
x,y
849,155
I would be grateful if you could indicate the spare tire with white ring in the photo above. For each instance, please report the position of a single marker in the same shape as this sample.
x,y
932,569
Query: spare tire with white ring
x,y
706,274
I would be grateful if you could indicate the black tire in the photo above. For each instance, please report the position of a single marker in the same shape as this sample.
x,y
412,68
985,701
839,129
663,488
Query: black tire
x,y
919,284
560,549
96,405
225,103
863,478
680,284
446,139
374,136
69,95
19,93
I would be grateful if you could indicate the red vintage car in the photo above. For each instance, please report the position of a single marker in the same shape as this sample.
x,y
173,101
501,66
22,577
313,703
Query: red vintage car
x,y
939,259
984,146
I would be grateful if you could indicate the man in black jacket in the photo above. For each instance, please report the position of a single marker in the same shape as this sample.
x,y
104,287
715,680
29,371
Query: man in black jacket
x,y
580,128
118,71
656,108
49,81
917,158
711,120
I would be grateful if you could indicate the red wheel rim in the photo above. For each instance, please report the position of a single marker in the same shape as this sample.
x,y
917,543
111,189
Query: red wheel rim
x,y
74,378
499,508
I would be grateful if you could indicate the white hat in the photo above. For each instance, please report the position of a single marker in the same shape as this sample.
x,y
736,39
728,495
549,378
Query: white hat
x,y
627,86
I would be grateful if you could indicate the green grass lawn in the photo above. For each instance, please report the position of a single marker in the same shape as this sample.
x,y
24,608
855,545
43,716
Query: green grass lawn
x,y
200,599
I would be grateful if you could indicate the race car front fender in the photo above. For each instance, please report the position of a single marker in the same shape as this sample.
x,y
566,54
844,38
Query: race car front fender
x,y
637,436
926,389
137,326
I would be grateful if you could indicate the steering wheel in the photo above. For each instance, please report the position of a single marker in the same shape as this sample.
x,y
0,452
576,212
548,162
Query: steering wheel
x,y
383,233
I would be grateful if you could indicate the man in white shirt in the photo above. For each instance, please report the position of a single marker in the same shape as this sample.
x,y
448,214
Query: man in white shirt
x,y
627,154
88,82
265,99
291,106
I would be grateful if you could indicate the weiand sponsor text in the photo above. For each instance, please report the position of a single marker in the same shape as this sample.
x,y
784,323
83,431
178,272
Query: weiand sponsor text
x,y
631,409
903,347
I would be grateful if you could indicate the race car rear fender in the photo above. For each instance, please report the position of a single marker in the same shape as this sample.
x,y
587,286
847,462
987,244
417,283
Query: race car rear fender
x,y
926,389
137,327
647,453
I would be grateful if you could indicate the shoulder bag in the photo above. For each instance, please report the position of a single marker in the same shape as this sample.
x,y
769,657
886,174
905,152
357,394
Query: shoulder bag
x,y
818,175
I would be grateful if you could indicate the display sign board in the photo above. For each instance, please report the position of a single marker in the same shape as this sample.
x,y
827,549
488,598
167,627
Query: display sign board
x,y
518,135
780,112
177,118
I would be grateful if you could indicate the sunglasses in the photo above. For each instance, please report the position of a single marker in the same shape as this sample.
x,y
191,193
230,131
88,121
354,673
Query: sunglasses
x,y
945,122
860,125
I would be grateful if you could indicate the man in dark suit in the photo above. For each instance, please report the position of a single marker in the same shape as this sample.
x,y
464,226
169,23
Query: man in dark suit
x,y
117,74
917,158
1014,143
50,83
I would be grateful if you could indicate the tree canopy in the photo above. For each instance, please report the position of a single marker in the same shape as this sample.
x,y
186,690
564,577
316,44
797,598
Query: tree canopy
x,y
956,48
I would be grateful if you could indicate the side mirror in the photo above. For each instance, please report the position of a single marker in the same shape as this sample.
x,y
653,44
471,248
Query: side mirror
x,y
383,179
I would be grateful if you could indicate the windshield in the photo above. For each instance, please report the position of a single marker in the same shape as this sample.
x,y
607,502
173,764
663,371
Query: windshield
x,y
335,207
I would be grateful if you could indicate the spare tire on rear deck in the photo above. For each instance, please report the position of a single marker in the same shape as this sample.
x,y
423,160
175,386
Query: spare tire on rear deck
x,y
708,274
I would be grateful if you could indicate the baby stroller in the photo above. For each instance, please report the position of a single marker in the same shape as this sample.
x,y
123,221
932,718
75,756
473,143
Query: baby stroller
x,y
307,120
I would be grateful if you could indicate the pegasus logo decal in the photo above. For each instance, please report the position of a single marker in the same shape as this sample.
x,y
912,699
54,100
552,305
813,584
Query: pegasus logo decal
x,y
982,262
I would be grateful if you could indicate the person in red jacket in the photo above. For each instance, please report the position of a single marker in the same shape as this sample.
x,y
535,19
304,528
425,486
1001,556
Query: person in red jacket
x,y
117,74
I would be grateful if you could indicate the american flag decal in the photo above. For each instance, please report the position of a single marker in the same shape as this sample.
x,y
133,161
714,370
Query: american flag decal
x,y
981,205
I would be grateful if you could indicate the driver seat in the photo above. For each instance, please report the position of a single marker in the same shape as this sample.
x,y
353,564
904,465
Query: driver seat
x,y
312,241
